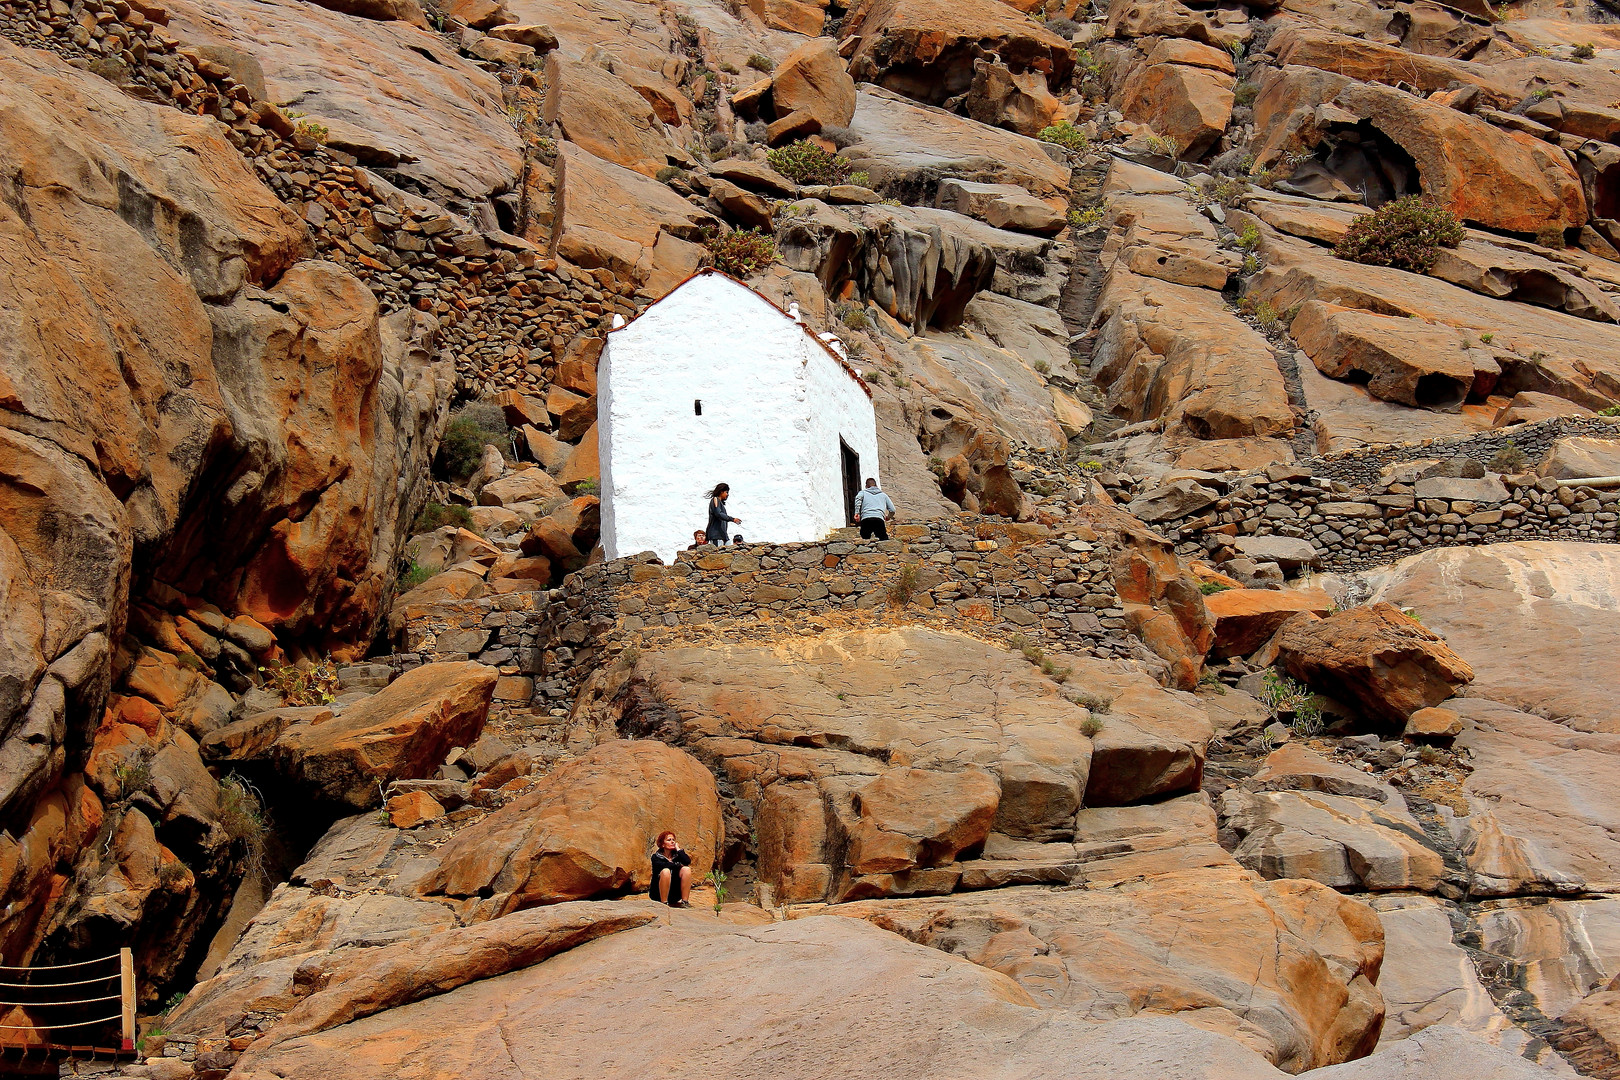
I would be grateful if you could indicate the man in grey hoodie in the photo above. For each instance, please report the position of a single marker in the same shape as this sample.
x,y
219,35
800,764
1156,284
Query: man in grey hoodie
x,y
872,511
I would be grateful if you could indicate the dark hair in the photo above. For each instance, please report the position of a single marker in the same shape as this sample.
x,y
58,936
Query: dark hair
x,y
719,491
737,539
871,481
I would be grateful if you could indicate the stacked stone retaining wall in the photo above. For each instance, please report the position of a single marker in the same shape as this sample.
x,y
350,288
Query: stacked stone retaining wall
x,y
1357,512
1045,586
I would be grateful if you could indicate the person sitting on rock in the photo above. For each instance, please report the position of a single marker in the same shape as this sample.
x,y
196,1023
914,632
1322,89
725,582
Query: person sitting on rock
x,y
669,865
698,540
872,511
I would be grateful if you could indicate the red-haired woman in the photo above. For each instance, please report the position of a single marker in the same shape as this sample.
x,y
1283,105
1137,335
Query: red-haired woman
x,y
669,865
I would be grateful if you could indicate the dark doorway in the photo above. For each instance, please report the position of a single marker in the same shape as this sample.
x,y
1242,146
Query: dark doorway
x,y
852,478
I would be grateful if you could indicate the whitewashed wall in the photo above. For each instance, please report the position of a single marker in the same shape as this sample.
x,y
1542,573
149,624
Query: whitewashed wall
x,y
774,405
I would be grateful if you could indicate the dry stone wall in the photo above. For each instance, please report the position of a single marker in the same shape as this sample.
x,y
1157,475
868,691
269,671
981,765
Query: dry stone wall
x,y
1360,509
998,579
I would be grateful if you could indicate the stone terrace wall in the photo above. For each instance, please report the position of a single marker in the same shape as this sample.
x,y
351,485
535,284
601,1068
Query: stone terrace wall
x,y
994,578
505,313
1362,466
1356,518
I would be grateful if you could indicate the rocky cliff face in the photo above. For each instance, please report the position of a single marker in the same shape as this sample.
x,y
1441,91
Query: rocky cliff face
x,y
1231,701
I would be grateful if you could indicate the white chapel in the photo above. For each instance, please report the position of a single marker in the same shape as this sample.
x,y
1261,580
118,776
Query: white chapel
x,y
716,384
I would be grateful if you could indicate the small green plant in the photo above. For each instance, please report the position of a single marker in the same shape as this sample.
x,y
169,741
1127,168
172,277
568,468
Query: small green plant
x,y
1407,234
1281,694
133,775
730,68
741,252
1091,726
1043,367
717,878
1411,613
303,684
309,129
904,586
471,428
668,173
1251,265
1086,220
853,314
1245,93
1431,755
1099,704
1210,588
587,486
1212,682
1225,190
804,162
1055,671
1307,722
1237,49
860,178
1066,135
1163,146
1509,459
761,62
436,515
1249,238
241,815
1486,338
1612,410
414,576
1585,52
1264,314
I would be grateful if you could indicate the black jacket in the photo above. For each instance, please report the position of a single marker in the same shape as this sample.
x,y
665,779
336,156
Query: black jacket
x,y
719,529
672,863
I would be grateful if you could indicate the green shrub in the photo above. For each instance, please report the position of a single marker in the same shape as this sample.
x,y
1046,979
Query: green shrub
x,y
860,178
311,130
1164,146
761,62
1612,410
415,576
1099,704
241,815
804,162
1091,727
1509,459
1249,238
303,684
471,428
904,586
1585,52
1210,588
1086,220
588,486
741,252
1066,135
854,315
1245,93
1407,234
437,515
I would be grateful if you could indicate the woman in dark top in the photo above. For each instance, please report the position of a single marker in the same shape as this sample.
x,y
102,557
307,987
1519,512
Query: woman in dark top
x,y
669,864
718,516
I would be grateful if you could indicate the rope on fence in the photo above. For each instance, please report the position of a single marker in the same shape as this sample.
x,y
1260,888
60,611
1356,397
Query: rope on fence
x,y
125,976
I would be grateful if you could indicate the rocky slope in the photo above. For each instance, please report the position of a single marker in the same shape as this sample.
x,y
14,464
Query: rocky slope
x,y
1233,701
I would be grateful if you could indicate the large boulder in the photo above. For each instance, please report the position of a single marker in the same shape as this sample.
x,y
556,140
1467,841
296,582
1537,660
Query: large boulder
x,y
395,95
605,116
925,49
1191,105
813,79
1377,657
400,733
587,829
1162,601
1579,458
1151,743
611,217
1286,967
1345,843
884,1007
1245,619
805,730
907,148
1405,360
1538,621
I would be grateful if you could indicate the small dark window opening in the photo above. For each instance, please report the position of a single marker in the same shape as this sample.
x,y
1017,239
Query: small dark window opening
x,y
697,407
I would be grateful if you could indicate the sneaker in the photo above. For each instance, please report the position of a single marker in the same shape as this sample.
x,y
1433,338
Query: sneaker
x,y
683,903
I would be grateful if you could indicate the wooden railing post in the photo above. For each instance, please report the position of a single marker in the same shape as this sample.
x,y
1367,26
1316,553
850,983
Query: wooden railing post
x,y
126,990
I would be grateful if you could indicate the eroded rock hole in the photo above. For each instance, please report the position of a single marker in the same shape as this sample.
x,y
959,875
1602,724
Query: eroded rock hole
x,y
1442,392
1366,161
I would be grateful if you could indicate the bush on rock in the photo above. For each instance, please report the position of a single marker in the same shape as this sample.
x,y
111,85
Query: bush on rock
x,y
804,162
742,252
1406,234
